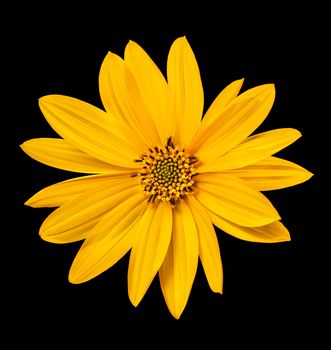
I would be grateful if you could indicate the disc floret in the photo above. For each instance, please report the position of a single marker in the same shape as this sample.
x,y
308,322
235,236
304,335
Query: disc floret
x,y
167,173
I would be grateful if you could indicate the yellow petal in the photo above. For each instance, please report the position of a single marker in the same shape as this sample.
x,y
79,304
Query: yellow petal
x,y
252,150
144,117
118,92
209,251
149,249
109,241
111,88
237,121
72,234
234,200
88,206
222,100
272,174
185,85
152,87
178,270
62,192
89,129
271,233
61,154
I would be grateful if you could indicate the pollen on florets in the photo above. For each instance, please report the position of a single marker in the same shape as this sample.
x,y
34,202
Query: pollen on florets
x,y
167,173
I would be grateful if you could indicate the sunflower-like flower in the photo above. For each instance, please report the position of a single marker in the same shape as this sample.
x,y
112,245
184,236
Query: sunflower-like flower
x,y
161,175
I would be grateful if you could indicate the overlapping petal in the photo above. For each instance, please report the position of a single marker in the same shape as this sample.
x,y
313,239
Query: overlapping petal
x,y
272,173
90,130
65,191
152,87
237,121
209,251
271,233
109,241
234,200
252,150
121,97
88,206
149,249
186,88
228,94
61,154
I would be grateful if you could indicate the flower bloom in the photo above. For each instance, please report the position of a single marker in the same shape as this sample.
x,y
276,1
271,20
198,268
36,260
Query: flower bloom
x,y
160,175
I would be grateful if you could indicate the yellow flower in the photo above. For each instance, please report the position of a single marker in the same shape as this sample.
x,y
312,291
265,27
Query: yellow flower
x,y
161,175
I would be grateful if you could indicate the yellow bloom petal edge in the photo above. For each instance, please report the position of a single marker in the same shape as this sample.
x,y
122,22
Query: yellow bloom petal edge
x,y
160,175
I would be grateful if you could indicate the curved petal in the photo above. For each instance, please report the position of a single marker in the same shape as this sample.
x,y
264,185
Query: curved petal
x,y
61,154
185,85
227,95
88,206
252,150
152,87
272,173
65,191
237,121
89,129
111,88
109,241
234,200
271,233
209,250
178,270
74,233
120,96
149,249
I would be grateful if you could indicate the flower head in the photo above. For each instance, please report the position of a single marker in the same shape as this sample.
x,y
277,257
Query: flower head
x,y
160,175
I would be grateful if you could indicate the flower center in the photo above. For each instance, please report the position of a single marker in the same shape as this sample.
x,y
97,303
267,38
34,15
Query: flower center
x,y
167,173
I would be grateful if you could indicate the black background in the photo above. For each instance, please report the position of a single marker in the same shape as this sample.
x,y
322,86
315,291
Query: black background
x,y
269,289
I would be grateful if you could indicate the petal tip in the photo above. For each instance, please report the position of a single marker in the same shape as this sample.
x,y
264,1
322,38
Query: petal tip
x,y
55,98
309,174
72,278
44,231
107,57
135,303
283,239
134,299
294,132
48,238
218,290
299,134
271,90
134,296
76,275
268,88
42,99
181,40
240,81
28,203
176,314
130,43
23,146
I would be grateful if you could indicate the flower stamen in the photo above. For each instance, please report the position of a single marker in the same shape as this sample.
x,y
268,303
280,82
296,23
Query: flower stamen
x,y
167,173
